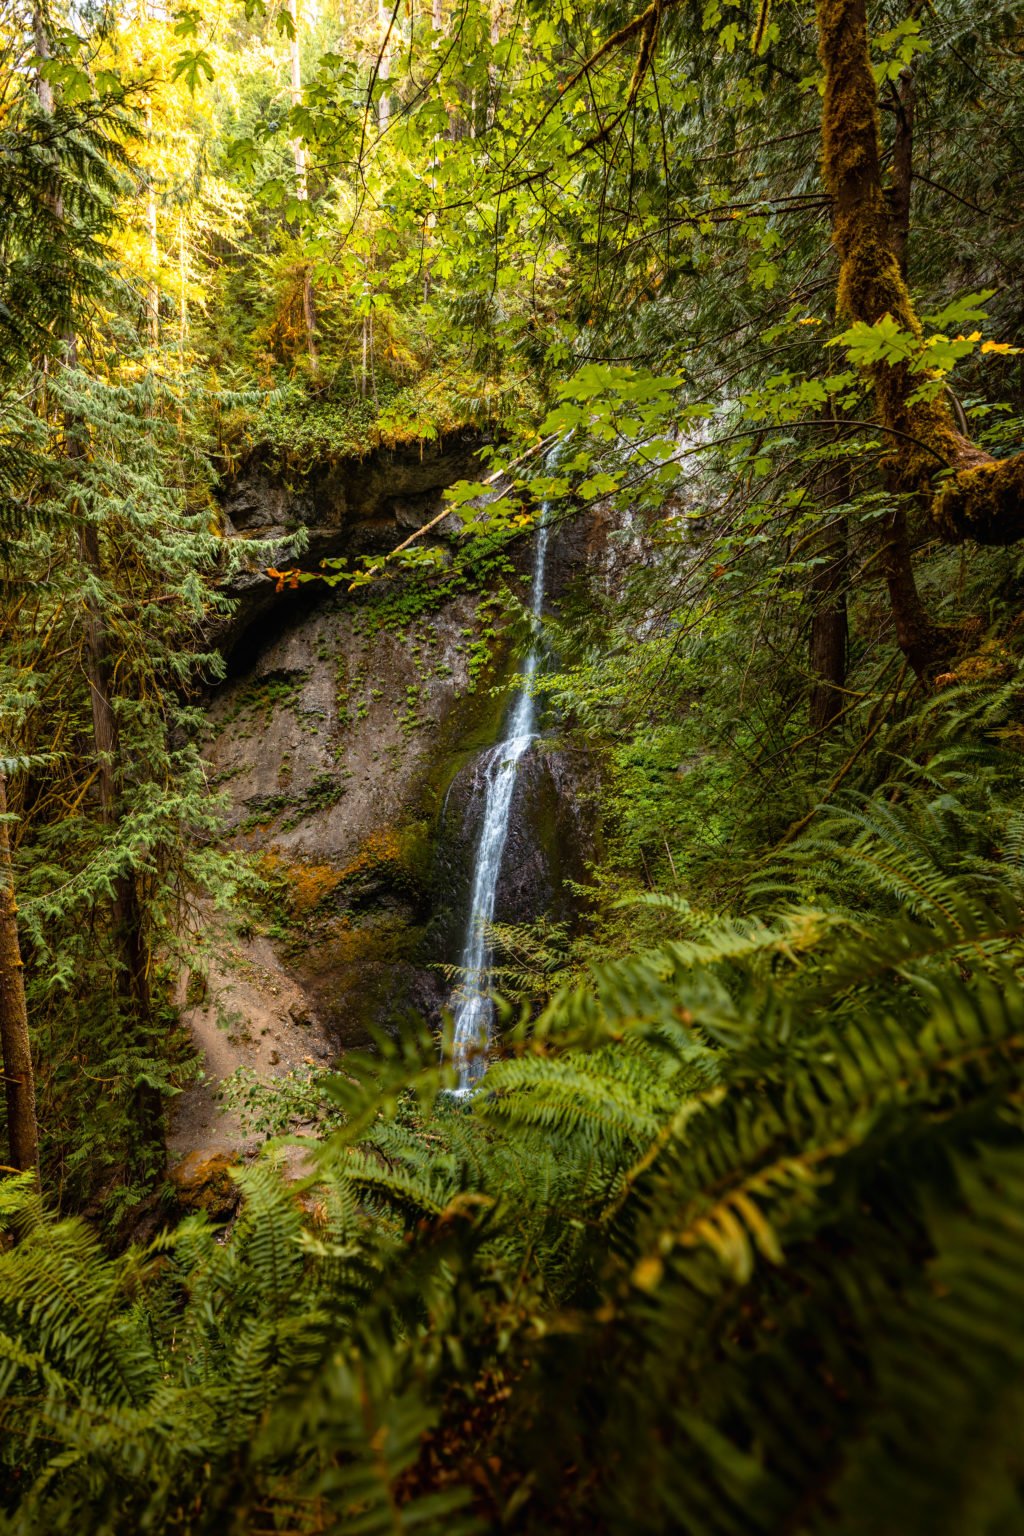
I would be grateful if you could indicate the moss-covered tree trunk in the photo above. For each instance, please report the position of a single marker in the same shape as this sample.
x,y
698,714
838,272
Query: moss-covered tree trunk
x,y
983,498
15,1048
924,646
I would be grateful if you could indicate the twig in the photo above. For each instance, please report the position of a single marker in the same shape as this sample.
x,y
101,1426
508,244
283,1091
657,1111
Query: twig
x,y
798,826
447,511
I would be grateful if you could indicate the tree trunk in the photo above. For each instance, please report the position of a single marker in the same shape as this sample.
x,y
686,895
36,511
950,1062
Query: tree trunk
x,y
917,637
493,74
366,355
97,667
384,65
128,934
43,88
829,628
128,929
15,1049
984,498
302,187
903,169
182,292
152,289
919,640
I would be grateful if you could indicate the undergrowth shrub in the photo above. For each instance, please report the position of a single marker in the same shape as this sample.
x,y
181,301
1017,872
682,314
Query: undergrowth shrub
x,y
727,1241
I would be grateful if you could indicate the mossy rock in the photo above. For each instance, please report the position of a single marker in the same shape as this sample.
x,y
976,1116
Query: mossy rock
x,y
390,862
367,973
474,723
202,1182
548,844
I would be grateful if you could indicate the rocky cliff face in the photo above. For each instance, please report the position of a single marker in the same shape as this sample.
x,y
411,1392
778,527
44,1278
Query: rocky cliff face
x,y
346,749
349,508
331,748
550,839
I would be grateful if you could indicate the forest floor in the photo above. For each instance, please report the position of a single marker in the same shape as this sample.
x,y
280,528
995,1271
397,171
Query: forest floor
x,y
246,1011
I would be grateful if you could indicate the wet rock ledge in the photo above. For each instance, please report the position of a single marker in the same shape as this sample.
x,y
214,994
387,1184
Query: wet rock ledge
x,y
349,507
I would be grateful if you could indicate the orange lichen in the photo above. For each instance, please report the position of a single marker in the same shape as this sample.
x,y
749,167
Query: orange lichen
x,y
204,1183
381,849
307,885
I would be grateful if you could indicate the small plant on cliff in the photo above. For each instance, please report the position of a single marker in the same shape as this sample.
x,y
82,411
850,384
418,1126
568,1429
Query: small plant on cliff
x,y
291,1101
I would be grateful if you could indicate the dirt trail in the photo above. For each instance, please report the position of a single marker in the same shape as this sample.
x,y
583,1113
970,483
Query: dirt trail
x,y
250,1013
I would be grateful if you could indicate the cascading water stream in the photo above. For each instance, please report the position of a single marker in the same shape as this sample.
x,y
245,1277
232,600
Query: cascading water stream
x,y
475,1010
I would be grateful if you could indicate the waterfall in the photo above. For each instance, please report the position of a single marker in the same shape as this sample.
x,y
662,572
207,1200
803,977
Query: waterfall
x,y
475,1010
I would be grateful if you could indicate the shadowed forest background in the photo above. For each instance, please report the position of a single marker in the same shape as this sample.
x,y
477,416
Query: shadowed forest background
x,y
317,322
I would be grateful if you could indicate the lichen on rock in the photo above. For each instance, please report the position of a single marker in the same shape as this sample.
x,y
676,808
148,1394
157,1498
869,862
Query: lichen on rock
x,y
203,1181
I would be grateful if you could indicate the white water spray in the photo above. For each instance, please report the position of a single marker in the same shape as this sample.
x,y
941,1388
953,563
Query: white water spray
x,y
475,1011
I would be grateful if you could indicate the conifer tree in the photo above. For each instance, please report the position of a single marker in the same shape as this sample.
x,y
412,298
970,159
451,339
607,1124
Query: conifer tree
x,y
15,1044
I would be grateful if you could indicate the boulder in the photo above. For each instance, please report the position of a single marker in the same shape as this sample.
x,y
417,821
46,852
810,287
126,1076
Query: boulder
x,y
202,1182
